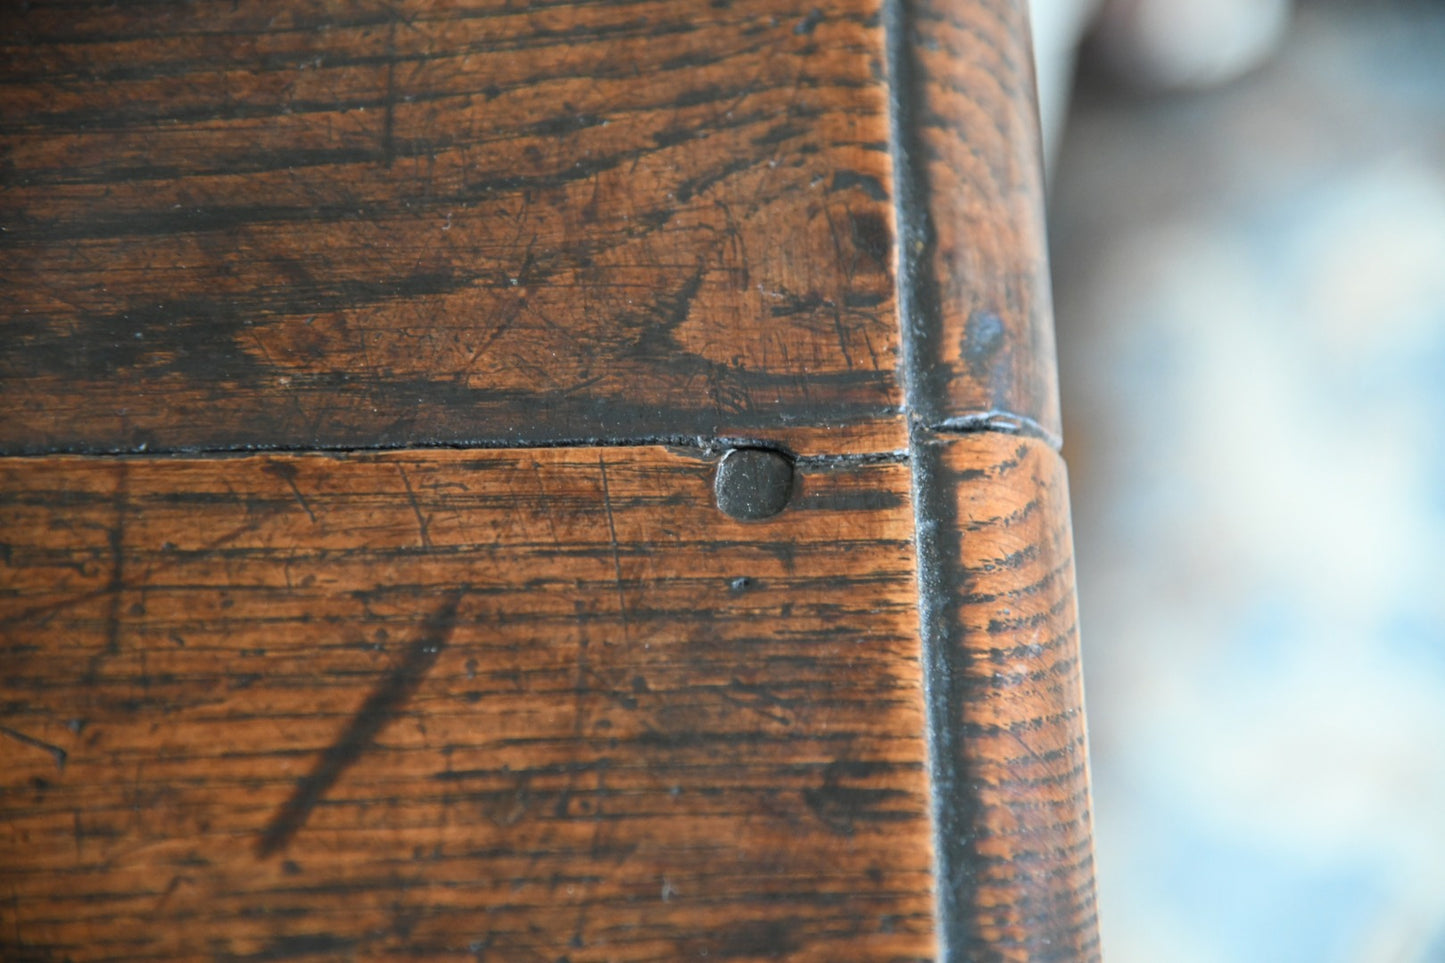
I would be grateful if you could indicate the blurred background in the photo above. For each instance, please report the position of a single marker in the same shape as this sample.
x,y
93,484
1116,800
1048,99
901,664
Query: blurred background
x,y
1248,229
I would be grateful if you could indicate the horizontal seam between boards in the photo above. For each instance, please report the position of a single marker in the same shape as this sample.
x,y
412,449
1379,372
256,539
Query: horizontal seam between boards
x,y
998,422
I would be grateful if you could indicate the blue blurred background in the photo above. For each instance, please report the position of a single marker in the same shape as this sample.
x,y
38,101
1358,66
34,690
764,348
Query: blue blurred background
x,y
1250,287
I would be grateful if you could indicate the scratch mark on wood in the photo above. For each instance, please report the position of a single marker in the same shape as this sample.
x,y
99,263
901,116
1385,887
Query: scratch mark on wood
x,y
612,532
287,473
848,274
115,586
375,713
58,753
52,608
117,563
421,521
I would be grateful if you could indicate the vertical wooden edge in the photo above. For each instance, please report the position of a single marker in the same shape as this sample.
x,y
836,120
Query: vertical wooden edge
x,y
997,609
1007,728
973,262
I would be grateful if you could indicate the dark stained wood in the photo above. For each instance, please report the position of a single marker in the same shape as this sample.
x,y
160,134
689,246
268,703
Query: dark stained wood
x,y
536,698
1006,688
352,223
975,285
338,224
508,705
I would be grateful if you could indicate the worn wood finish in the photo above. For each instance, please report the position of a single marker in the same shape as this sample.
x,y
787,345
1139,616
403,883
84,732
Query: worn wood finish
x,y
539,703
358,223
355,223
1005,684
975,285
542,702
520,705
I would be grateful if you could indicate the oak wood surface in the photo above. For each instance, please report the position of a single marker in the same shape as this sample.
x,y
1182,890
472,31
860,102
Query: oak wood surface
x,y
974,260
1004,667
357,223
535,698
533,704
349,223
545,704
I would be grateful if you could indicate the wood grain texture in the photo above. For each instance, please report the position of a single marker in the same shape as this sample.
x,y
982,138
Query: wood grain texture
x,y
974,265
536,699
522,705
1005,692
357,223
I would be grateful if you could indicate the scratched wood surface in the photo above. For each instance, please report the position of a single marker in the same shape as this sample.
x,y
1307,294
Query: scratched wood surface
x,y
519,705
354,222
535,698
349,223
